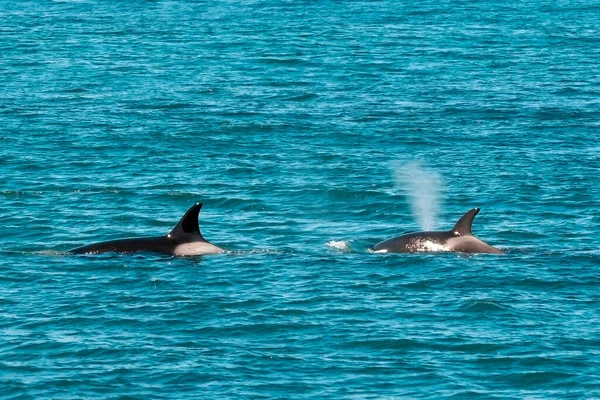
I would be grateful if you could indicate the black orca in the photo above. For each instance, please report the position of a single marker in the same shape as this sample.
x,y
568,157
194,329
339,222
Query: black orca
x,y
457,239
184,240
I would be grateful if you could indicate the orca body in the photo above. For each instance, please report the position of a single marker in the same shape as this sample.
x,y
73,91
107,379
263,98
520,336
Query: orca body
x,y
458,239
184,240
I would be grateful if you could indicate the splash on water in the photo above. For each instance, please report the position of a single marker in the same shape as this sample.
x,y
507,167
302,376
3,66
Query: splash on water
x,y
422,188
339,245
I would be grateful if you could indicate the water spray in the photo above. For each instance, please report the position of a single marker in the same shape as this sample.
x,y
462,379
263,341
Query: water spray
x,y
422,188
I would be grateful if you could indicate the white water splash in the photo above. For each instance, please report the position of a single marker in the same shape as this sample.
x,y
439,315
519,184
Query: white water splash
x,y
339,245
422,187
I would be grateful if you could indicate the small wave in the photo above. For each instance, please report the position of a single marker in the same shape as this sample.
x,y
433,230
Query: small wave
x,y
484,306
257,251
303,97
388,343
534,378
49,253
424,284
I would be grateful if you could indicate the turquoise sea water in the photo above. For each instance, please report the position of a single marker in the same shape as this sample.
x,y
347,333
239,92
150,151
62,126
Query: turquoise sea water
x,y
310,130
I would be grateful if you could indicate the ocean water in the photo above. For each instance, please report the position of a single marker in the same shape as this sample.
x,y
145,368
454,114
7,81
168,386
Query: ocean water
x,y
310,130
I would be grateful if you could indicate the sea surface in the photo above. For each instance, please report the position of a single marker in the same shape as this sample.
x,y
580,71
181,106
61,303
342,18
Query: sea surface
x,y
310,131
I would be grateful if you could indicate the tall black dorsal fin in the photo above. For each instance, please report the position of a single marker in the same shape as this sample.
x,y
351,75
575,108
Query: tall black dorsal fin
x,y
188,224
463,226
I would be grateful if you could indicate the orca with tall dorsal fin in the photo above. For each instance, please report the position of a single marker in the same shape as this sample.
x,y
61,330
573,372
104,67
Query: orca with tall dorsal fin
x,y
458,239
184,240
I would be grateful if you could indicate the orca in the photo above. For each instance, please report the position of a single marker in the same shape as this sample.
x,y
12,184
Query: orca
x,y
184,240
457,239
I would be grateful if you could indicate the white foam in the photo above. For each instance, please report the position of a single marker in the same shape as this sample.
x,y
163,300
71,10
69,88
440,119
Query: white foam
x,y
339,245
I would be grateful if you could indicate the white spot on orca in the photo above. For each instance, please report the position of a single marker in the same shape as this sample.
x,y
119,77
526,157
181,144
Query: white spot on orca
x,y
380,251
433,246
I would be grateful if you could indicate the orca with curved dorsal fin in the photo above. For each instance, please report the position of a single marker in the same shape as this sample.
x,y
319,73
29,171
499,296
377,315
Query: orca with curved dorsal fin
x,y
458,239
184,240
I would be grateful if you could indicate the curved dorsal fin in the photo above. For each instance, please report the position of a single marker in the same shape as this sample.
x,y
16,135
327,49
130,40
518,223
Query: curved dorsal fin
x,y
463,226
188,224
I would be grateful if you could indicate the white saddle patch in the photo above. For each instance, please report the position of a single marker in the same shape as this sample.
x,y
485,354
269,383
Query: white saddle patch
x,y
432,247
196,249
